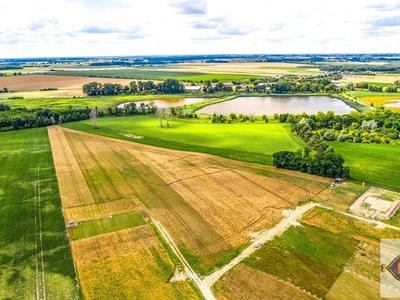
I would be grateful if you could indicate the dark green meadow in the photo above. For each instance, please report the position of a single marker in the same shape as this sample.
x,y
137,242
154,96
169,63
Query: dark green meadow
x,y
306,256
35,257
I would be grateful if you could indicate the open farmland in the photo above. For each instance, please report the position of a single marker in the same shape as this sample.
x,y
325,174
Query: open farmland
x,y
35,256
127,264
209,205
253,142
29,86
258,285
199,71
327,254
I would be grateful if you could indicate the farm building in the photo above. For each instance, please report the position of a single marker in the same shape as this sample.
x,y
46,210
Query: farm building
x,y
338,180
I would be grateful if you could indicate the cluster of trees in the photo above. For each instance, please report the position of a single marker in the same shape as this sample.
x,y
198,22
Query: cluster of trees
x,y
378,88
21,118
380,126
168,86
304,85
233,118
325,163
218,87
133,109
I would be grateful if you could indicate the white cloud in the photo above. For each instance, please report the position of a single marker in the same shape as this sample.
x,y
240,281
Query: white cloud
x,y
125,27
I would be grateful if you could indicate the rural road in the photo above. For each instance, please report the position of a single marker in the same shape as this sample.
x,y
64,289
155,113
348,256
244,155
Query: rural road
x,y
205,284
263,237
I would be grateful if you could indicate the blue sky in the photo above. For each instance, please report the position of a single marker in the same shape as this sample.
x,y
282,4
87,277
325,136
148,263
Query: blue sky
x,y
52,28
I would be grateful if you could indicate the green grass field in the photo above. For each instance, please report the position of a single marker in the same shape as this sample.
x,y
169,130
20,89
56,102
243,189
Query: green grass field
x,y
374,164
307,256
109,224
35,256
252,142
155,74
102,102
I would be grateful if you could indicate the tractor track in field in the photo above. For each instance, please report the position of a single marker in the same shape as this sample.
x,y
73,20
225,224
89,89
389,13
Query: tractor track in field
x,y
40,274
71,170
102,169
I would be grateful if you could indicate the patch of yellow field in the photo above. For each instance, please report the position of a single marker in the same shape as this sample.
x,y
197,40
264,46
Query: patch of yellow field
x,y
128,264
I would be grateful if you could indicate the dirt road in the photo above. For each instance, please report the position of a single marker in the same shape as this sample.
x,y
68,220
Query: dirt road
x,y
205,284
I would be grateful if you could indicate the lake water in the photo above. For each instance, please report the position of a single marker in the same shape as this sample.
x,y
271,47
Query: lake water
x,y
172,102
270,105
396,104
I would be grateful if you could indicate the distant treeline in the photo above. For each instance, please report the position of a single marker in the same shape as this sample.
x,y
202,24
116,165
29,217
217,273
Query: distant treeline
x,y
168,86
359,68
22,118
10,67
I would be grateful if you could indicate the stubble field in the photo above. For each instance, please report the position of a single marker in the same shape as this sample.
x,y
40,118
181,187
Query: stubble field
x,y
29,86
208,204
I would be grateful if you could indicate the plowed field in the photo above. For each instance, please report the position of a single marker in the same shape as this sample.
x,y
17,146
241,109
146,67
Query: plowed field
x,y
209,205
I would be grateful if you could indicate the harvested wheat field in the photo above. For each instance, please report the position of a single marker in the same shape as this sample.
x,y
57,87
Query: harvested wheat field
x,y
128,264
243,282
209,205
67,85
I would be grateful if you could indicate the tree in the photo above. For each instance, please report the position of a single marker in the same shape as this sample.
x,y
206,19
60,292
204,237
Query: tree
x,y
93,115
160,114
167,114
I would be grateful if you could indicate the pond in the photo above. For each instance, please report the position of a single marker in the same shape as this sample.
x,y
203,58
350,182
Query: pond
x,y
171,102
396,104
274,104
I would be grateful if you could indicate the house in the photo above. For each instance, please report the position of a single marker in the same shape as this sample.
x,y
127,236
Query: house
x,y
192,88
338,180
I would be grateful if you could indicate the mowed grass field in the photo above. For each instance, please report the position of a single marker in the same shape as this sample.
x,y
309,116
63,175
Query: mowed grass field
x,y
374,164
317,256
35,256
252,142
191,194
102,102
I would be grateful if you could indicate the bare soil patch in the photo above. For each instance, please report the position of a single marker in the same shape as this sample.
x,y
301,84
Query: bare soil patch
x,y
376,203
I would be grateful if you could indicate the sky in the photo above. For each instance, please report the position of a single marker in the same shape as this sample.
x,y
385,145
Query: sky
x,y
70,28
